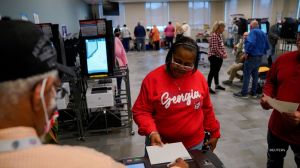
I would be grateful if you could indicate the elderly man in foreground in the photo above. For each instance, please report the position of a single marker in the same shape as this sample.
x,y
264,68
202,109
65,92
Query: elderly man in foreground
x,y
28,83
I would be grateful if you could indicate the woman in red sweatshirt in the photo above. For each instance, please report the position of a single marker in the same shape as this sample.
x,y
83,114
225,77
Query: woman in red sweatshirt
x,y
174,104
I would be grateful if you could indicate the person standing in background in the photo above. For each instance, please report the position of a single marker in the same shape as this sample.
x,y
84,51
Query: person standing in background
x,y
186,29
178,31
242,23
155,37
169,33
273,37
140,34
125,35
121,63
235,34
117,31
256,45
216,55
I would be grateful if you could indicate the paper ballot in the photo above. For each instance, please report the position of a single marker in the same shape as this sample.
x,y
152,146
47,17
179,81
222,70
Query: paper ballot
x,y
167,153
283,106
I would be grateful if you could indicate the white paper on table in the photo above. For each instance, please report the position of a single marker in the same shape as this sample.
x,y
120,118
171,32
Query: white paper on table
x,y
283,106
167,153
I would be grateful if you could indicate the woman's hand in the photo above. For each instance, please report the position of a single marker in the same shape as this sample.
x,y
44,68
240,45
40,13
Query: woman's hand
x,y
264,104
212,143
179,163
293,117
155,139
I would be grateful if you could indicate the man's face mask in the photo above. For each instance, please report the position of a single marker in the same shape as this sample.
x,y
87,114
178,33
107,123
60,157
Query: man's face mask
x,y
52,107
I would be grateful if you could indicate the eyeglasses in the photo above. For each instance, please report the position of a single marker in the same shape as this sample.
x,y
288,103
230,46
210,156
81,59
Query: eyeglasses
x,y
185,67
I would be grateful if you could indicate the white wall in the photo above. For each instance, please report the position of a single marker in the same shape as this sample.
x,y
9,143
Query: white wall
x,y
134,12
245,7
62,12
179,12
284,8
217,11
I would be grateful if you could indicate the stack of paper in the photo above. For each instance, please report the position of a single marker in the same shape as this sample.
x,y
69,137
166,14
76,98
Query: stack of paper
x,y
282,106
167,153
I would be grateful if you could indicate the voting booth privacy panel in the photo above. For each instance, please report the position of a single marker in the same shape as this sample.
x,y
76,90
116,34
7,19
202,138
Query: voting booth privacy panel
x,y
200,159
264,24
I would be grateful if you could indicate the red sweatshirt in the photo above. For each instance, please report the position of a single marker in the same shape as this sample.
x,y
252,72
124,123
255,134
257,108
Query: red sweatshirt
x,y
283,84
179,109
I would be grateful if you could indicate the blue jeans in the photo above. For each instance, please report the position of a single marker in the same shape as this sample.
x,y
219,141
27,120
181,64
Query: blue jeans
x,y
251,66
125,42
277,149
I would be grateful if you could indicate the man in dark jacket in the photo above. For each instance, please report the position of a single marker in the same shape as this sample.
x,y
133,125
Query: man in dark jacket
x,y
273,37
140,34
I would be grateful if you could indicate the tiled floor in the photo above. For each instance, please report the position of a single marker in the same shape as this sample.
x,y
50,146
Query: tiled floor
x,y
243,122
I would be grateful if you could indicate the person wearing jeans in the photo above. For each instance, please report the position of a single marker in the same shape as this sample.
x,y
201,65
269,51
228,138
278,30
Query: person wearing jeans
x,y
251,67
216,55
256,45
125,34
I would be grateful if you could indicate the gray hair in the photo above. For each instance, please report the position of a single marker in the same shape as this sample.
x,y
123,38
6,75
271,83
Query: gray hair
x,y
217,25
254,24
10,91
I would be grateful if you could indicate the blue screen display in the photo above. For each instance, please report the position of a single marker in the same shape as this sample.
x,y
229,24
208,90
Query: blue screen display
x,y
298,30
138,165
263,27
96,56
248,27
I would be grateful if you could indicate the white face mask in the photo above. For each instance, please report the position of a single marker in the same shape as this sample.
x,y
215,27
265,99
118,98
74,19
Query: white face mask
x,y
52,107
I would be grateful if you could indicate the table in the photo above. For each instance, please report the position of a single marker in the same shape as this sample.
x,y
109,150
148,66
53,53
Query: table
x,y
200,159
